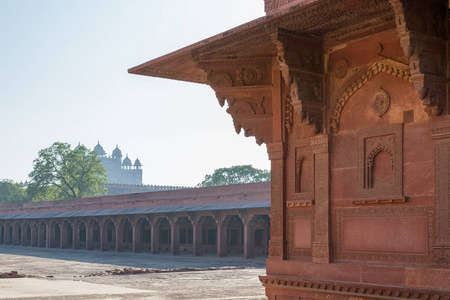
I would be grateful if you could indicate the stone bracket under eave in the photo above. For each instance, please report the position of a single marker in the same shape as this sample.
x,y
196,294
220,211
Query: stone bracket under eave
x,y
246,87
300,58
422,28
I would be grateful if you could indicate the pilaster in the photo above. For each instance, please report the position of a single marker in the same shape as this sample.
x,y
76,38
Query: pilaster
x,y
277,243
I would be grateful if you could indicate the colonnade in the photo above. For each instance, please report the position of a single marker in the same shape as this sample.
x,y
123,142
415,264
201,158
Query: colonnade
x,y
220,232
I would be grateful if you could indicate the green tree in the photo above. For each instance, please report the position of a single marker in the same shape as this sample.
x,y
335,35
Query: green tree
x,y
60,172
235,175
11,192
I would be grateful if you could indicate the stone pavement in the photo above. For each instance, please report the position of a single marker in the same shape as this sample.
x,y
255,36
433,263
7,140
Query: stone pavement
x,y
64,274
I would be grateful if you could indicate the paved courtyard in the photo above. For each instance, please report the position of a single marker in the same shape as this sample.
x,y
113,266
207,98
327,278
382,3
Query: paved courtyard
x,y
80,274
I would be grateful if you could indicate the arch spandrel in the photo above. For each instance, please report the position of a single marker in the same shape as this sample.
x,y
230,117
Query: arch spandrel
x,y
358,111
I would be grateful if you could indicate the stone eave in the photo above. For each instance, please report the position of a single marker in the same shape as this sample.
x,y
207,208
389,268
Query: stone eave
x,y
254,39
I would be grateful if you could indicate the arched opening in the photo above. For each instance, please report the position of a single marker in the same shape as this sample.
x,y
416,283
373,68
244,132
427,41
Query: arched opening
x,y
56,232
209,235
186,235
82,235
2,233
301,175
42,234
26,239
380,169
262,234
108,236
235,236
66,235
127,234
17,234
144,238
165,237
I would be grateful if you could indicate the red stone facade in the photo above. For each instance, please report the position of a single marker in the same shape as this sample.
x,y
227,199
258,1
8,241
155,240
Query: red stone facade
x,y
351,99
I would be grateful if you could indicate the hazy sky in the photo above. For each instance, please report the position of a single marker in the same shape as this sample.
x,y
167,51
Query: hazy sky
x,y
63,77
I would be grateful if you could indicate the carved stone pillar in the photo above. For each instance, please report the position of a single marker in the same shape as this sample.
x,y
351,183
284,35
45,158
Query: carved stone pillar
x,y
277,243
440,133
155,237
103,235
119,235
15,240
34,235
221,234
197,226
249,234
137,243
42,230
89,234
76,235
175,235
50,241
24,236
322,250
64,239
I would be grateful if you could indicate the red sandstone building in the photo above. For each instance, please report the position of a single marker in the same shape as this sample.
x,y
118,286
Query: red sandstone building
x,y
223,220
351,99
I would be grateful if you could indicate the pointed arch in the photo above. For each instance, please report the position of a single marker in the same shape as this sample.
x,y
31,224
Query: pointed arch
x,y
387,66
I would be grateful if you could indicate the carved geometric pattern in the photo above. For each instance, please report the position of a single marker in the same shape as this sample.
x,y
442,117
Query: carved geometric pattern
x,y
341,68
389,67
442,166
383,212
292,216
381,102
372,141
353,291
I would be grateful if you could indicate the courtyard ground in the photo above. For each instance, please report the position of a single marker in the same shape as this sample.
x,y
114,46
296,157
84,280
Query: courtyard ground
x,y
80,274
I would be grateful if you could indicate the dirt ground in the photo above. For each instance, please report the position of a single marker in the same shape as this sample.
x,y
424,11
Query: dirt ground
x,y
80,274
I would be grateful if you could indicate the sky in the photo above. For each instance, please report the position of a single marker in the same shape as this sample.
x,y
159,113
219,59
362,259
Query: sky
x,y
63,77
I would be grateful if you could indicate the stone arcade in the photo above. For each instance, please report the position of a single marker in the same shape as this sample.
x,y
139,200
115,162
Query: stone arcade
x,y
351,99
223,220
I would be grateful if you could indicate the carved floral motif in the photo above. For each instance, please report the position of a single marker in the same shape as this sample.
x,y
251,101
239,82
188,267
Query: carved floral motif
x,y
381,102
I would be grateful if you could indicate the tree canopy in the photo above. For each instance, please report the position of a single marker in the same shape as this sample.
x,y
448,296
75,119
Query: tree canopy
x,y
60,172
11,192
235,175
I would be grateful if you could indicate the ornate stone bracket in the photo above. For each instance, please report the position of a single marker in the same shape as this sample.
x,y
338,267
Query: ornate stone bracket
x,y
422,29
300,61
246,87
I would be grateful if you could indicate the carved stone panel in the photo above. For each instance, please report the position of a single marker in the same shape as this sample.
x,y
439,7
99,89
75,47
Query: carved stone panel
x,y
380,162
395,235
300,233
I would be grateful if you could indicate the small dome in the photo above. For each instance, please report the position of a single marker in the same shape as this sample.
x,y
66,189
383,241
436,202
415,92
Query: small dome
x,y
117,152
137,163
127,162
99,149
78,147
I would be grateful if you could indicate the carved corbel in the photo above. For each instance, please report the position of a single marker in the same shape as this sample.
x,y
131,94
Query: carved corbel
x,y
246,88
300,61
422,30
